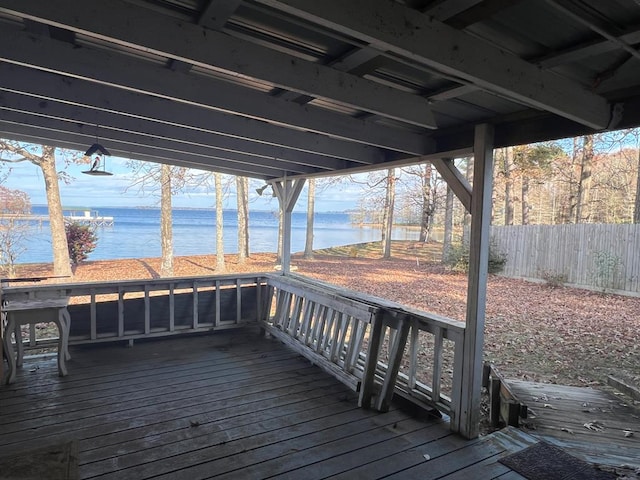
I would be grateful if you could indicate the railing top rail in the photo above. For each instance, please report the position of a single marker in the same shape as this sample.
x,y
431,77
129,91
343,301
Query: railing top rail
x,y
151,282
350,306
381,303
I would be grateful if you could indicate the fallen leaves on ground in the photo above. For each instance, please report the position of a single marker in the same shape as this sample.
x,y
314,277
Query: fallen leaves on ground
x,y
532,331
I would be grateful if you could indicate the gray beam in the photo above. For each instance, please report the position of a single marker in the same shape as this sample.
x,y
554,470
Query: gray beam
x,y
454,178
388,26
63,139
132,26
140,130
138,142
179,116
131,74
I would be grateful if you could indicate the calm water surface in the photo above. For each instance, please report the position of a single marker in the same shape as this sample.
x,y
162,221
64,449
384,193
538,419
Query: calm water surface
x,y
136,233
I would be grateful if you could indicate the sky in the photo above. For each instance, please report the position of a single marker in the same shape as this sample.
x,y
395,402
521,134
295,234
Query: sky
x,y
117,190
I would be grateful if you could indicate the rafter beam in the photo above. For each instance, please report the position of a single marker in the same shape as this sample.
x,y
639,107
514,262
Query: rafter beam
x,y
142,130
120,22
98,97
65,139
389,26
139,141
132,75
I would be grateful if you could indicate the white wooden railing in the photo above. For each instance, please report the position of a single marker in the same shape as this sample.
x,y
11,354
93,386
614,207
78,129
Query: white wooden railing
x,y
377,347
133,309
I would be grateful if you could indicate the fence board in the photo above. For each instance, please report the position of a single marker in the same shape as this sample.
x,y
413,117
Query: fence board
x,y
599,256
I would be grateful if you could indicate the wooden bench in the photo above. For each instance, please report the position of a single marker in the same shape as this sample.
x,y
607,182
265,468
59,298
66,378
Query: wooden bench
x,y
20,310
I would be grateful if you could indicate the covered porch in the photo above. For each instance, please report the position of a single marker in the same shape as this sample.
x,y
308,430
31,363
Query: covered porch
x,y
285,90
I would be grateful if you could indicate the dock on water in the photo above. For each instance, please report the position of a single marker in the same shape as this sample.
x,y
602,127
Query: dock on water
x,y
84,216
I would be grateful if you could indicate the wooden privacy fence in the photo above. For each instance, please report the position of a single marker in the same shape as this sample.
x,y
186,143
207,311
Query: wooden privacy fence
x,y
377,347
599,256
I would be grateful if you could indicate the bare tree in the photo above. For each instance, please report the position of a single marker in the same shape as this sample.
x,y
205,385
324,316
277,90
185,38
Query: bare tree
x,y
44,157
242,197
311,199
534,162
166,221
387,219
148,178
448,226
507,169
13,232
584,182
423,193
220,265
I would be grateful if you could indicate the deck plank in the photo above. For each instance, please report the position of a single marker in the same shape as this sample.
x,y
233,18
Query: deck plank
x,y
561,414
231,404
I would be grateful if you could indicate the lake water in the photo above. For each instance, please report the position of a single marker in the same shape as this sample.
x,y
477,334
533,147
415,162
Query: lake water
x,y
136,233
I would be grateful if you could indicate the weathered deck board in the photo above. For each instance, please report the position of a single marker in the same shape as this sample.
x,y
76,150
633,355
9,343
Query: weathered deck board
x,y
558,414
229,405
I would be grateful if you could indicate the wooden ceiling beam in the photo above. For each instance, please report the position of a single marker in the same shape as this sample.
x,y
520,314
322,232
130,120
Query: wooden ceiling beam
x,y
131,74
121,22
389,26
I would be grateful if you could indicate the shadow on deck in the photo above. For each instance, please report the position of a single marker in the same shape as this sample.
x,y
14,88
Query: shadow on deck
x,y
229,405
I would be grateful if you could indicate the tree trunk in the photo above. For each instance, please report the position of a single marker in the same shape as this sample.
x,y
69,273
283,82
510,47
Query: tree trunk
x,y
61,262
636,209
166,220
448,226
573,202
387,219
525,199
280,237
427,204
508,186
220,266
466,222
584,184
243,219
311,200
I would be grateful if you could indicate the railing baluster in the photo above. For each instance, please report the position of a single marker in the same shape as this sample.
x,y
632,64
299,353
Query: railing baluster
x,y
456,390
147,311
196,306
296,316
366,390
318,334
92,318
172,308
307,318
120,312
336,346
238,302
216,320
437,365
413,353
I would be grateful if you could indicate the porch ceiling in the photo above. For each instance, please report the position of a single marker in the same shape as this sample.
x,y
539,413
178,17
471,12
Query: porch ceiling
x,y
265,88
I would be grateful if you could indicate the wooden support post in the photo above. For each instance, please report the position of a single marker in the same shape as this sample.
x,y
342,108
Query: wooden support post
x,y
287,192
477,281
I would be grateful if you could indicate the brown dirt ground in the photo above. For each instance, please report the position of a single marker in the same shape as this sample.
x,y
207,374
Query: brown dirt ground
x,y
533,331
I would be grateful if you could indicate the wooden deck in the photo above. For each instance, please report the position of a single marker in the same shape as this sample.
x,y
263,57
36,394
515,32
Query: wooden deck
x,y
597,426
228,405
